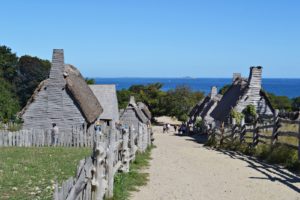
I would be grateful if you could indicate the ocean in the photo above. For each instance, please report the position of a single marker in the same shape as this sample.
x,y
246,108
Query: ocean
x,y
278,86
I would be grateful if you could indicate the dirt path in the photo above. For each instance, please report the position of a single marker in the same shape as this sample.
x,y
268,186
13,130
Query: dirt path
x,y
185,170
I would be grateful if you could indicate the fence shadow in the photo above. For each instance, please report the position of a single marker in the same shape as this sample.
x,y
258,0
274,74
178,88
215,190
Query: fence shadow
x,y
198,138
271,172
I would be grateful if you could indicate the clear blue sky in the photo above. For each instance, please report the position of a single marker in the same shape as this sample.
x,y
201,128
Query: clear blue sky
x,y
158,38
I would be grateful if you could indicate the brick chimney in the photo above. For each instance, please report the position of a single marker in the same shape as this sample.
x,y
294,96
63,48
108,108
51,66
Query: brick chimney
x,y
255,77
236,76
213,92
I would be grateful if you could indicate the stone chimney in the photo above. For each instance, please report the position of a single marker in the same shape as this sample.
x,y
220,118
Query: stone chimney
x,y
57,67
236,76
255,77
132,100
214,92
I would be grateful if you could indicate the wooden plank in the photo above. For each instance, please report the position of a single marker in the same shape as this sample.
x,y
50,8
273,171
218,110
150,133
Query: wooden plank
x,y
266,126
262,141
264,136
287,121
290,134
288,145
117,167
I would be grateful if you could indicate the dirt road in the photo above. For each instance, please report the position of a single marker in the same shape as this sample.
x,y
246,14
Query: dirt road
x,y
184,169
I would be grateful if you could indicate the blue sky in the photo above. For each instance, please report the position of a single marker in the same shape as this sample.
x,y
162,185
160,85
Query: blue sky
x,y
158,38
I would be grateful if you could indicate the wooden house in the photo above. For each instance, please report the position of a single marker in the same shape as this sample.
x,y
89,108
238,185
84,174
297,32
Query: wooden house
x,y
204,108
133,115
107,95
243,92
144,108
64,99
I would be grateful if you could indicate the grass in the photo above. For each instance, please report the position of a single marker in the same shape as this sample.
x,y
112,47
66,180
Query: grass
x,y
125,183
30,173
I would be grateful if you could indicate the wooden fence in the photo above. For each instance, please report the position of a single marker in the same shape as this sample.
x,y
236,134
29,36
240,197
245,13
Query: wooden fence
x,y
255,133
95,175
75,137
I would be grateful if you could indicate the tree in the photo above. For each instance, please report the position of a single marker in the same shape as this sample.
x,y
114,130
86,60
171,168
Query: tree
x,y
90,81
178,102
31,71
224,89
296,104
123,98
280,102
8,62
9,104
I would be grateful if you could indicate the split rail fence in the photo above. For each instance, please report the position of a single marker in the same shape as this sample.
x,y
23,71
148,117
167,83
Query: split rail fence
x,y
95,175
263,131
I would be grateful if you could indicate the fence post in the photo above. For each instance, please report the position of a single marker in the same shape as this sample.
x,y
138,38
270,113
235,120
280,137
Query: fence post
x,y
222,133
255,134
132,143
140,138
275,127
125,151
110,162
299,141
98,181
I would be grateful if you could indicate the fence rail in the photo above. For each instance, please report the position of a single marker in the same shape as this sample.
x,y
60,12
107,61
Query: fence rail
x,y
95,175
243,131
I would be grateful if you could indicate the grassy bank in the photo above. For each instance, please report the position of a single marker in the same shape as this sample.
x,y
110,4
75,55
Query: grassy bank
x,y
29,173
128,182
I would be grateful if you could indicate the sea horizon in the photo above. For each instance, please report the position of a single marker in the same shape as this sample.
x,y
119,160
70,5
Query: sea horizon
x,y
289,87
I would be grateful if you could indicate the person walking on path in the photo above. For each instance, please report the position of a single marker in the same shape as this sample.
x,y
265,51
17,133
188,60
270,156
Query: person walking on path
x,y
175,128
164,128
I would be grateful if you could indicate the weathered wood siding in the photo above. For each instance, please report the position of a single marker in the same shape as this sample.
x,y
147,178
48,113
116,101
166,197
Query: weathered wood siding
x,y
129,117
252,96
53,104
77,137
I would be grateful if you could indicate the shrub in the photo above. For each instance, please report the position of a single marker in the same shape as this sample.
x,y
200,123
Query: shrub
x,y
250,113
237,116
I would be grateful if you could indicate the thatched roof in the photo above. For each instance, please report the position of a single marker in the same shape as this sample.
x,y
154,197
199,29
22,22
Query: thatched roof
x,y
107,95
203,108
139,113
237,91
230,99
143,107
33,97
82,94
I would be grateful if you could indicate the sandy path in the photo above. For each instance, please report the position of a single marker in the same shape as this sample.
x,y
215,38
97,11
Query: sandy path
x,y
183,169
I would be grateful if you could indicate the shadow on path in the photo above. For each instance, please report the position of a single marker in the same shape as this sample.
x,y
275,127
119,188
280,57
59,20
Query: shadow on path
x,y
271,172
200,139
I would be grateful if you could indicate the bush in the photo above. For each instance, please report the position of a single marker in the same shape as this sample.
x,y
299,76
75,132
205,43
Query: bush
x,y
237,116
250,113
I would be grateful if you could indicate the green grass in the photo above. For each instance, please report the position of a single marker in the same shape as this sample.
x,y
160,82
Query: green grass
x,y
125,183
30,173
